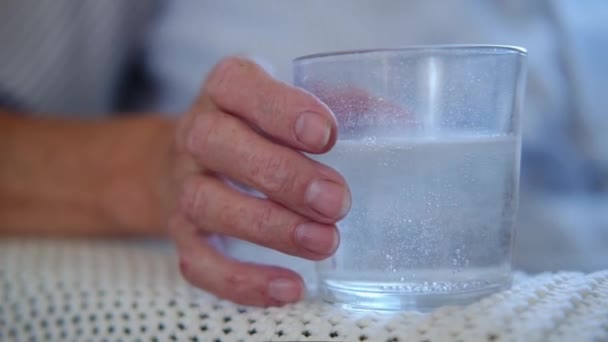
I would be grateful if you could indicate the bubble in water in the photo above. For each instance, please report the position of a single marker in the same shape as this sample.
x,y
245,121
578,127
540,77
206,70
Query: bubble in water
x,y
433,287
431,185
370,141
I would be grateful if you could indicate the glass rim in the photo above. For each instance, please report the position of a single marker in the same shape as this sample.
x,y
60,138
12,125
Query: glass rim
x,y
487,49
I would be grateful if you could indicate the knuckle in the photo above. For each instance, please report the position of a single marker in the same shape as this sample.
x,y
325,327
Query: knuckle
x,y
184,268
189,266
189,275
193,198
200,133
262,222
273,173
237,287
223,72
273,227
272,107
229,216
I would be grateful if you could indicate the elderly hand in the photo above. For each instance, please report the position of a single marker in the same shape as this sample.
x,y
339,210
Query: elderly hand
x,y
249,128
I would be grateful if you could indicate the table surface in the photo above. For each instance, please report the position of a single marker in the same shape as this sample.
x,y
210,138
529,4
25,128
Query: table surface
x,y
73,290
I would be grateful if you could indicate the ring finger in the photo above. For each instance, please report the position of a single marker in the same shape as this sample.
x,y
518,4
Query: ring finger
x,y
217,208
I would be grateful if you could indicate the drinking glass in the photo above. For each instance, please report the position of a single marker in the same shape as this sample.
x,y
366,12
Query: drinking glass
x,y
429,142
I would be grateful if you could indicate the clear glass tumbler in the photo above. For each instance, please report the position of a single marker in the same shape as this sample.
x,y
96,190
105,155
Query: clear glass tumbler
x,y
429,142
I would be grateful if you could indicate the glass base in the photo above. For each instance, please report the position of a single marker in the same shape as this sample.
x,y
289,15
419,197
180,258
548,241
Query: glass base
x,y
416,296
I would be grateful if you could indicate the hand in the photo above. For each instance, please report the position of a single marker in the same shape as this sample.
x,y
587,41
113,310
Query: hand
x,y
249,128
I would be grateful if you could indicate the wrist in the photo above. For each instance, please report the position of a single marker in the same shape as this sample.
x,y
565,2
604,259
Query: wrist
x,y
136,196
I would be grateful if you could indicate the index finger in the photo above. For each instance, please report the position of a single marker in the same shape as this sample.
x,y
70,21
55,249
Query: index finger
x,y
291,115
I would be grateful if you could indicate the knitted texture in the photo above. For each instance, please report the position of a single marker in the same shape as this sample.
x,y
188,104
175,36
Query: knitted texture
x,y
56,290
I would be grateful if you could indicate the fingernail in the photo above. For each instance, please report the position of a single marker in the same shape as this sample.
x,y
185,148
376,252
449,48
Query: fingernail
x,y
317,238
284,290
312,130
328,198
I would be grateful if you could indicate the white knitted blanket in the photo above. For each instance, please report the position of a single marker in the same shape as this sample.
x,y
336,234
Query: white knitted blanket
x,y
54,290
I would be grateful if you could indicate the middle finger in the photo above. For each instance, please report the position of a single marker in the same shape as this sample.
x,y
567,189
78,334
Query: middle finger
x,y
226,145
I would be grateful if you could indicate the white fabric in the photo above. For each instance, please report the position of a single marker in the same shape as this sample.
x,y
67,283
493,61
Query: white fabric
x,y
55,290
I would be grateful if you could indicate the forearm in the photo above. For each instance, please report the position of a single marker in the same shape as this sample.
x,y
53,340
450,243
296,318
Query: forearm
x,y
83,178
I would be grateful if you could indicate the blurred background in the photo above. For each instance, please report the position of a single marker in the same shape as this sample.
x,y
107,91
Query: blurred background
x,y
86,58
